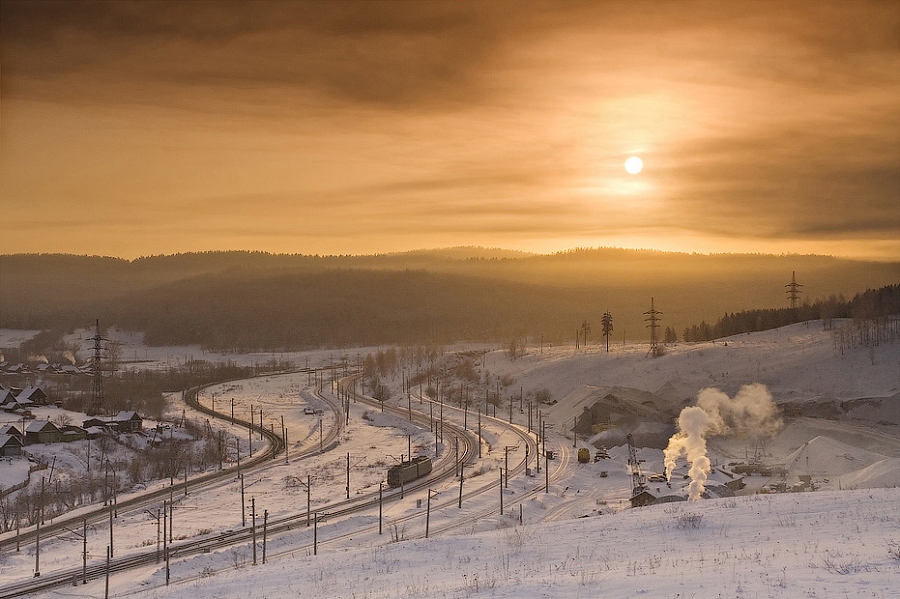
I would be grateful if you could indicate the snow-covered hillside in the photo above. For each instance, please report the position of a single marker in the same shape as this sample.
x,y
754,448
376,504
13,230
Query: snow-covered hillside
x,y
815,545
581,538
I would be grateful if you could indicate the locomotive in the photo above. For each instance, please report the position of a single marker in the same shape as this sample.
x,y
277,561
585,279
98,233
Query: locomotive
x,y
404,472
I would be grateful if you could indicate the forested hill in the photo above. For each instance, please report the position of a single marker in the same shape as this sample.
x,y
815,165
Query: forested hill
x,y
255,300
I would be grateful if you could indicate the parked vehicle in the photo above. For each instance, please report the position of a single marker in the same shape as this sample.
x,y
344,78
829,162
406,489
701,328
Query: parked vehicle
x,y
584,455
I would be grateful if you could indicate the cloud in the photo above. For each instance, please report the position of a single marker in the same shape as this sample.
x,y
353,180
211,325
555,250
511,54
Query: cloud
x,y
778,123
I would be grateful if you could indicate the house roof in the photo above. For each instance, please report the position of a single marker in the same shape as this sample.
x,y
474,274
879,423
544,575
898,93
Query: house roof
x,y
126,415
9,440
40,426
30,392
7,429
6,396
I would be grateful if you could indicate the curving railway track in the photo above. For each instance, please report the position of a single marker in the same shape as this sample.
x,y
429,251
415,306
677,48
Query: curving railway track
x,y
444,468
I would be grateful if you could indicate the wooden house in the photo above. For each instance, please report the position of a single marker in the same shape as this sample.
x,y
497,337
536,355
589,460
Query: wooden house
x,y
42,431
33,394
129,421
10,446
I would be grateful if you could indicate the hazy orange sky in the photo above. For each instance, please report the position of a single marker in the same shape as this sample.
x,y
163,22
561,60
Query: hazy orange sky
x,y
136,128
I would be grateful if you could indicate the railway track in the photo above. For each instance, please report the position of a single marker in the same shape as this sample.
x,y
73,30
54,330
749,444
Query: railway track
x,y
63,525
231,538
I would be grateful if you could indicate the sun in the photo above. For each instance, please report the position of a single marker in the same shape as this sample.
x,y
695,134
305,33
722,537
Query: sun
x,y
634,165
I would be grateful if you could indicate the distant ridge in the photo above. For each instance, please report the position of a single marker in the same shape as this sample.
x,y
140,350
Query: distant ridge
x,y
246,299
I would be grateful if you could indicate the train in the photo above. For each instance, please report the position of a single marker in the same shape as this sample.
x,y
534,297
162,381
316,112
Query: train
x,y
404,472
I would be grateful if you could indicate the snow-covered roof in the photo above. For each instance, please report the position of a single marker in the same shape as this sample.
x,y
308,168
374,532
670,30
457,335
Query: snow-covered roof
x,y
126,415
30,392
37,426
7,439
8,429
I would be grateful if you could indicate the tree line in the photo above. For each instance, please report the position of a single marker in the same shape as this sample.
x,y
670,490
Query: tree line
x,y
872,305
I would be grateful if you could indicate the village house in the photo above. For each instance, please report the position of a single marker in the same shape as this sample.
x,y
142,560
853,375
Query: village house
x,y
11,429
10,446
129,421
42,431
8,400
33,394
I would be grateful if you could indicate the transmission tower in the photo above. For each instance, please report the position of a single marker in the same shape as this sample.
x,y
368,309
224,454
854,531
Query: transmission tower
x,y
97,402
653,314
793,289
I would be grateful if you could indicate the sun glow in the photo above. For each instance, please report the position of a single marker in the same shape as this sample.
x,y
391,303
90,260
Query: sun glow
x,y
634,165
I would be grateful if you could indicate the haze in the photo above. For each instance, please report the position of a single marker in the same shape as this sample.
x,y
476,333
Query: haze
x,y
138,128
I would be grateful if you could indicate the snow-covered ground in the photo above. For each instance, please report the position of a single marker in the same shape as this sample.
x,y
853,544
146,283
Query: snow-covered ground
x,y
580,539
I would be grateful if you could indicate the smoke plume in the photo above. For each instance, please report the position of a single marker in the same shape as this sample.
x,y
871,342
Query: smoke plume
x,y
38,358
69,356
751,411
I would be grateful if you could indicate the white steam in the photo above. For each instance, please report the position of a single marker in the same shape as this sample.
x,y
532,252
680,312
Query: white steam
x,y
69,356
38,358
750,412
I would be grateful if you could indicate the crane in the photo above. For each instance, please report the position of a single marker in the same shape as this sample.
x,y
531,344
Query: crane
x,y
637,477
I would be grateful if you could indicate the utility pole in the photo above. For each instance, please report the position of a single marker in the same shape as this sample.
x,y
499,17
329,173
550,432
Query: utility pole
x,y
506,461
380,503
348,475
84,550
111,532
37,550
243,504
428,513
479,434
265,524
165,541
253,526
308,501
501,491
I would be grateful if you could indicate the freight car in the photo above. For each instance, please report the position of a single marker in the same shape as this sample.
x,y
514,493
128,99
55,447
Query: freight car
x,y
404,472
